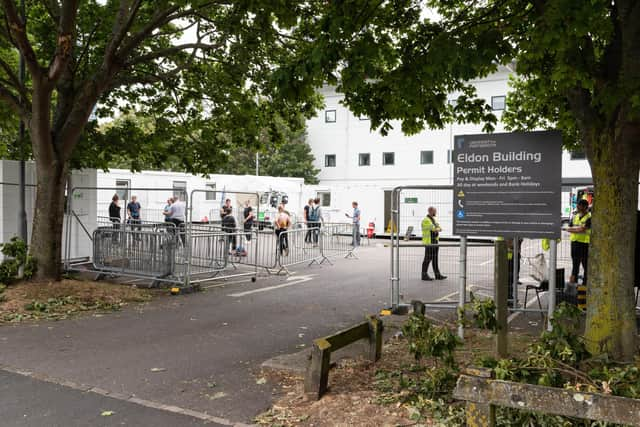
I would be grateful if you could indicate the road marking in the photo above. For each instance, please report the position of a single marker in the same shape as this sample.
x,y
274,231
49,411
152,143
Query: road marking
x,y
217,285
123,397
486,262
446,297
291,281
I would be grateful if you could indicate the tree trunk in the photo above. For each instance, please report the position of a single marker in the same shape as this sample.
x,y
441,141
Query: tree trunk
x,y
611,322
46,240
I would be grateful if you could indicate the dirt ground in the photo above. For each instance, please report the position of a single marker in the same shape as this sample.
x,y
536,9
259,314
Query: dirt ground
x,y
58,300
354,397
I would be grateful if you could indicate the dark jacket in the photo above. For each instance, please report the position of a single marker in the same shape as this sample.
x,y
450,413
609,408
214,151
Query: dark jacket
x,y
114,211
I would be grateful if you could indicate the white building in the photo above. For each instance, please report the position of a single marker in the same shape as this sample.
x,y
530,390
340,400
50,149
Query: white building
x,y
358,164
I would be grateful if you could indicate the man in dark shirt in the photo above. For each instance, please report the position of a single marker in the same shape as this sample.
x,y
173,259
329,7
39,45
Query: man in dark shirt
x,y
248,220
133,209
114,215
229,227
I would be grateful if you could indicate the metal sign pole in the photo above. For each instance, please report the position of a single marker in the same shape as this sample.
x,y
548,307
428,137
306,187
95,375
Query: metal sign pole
x,y
516,271
463,285
553,251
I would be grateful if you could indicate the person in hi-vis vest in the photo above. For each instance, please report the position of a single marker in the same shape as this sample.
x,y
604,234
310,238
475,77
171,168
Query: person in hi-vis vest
x,y
580,230
430,238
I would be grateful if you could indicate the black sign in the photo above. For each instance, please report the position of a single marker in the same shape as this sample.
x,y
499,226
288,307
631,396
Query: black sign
x,y
508,184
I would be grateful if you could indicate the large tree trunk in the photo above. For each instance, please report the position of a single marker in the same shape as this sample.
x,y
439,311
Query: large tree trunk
x,y
611,322
46,240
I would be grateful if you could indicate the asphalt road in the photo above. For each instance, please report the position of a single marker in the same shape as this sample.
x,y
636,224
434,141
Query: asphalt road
x,y
200,352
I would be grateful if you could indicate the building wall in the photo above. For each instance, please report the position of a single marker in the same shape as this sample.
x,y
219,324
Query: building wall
x,y
83,205
350,135
153,188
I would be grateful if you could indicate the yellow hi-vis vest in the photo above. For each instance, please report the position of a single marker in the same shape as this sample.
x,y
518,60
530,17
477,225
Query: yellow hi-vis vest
x,y
427,227
576,221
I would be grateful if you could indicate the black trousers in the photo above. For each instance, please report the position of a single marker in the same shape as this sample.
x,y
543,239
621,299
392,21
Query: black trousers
x,y
430,256
579,255
283,239
179,227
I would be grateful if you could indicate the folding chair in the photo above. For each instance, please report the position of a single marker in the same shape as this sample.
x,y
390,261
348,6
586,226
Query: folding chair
x,y
543,286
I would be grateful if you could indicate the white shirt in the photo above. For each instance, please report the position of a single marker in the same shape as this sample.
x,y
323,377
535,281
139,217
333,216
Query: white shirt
x,y
177,210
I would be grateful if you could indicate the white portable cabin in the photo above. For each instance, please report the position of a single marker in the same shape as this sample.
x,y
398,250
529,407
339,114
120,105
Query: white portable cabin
x,y
153,188
83,206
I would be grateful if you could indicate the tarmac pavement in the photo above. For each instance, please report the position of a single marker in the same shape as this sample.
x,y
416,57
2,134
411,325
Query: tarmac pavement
x,y
191,358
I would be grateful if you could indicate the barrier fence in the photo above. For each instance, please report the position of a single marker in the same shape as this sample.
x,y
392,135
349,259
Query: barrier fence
x,y
467,263
196,251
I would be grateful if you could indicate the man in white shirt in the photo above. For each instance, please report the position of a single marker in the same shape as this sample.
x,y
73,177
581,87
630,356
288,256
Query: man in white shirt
x,y
176,215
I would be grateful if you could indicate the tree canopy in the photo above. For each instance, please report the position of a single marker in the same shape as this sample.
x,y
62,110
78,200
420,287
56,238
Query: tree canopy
x,y
201,70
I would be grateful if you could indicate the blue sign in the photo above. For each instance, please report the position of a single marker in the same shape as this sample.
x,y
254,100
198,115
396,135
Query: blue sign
x,y
460,214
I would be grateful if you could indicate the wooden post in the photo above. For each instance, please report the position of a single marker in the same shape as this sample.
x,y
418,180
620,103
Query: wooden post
x,y
317,378
501,287
481,414
375,338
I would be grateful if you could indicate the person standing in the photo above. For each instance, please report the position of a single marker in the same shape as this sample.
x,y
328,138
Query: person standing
x,y
226,209
430,238
249,217
177,216
282,225
308,237
166,211
114,215
580,230
229,226
133,210
315,218
355,240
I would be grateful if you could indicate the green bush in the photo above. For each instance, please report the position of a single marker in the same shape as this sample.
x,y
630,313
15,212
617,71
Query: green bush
x,y
16,256
428,340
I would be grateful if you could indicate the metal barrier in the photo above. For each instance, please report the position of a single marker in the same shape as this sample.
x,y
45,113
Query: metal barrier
x,y
146,253
299,248
337,240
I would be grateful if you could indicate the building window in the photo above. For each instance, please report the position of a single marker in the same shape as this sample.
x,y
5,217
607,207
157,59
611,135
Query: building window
x,y
426,157
180,189
364,159
325,198
210,195
449,156
388,159
122,188
330,161
329,116
578,155
498,102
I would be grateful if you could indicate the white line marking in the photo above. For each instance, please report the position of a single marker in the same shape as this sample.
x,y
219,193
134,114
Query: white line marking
x,y
270,288
217,285
446,297
486,262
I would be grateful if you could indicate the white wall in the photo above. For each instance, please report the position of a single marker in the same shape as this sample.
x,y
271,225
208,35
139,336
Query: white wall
x,y
84,204
153,201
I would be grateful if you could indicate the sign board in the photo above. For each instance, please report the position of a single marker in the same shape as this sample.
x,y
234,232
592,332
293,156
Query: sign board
x,y
410,200
508,184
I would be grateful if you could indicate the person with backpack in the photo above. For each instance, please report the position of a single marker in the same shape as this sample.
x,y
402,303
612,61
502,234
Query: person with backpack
x,y
308,237
315,217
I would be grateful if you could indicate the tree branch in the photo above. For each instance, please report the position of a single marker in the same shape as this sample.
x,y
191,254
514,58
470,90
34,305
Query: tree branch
x,y
168,51
65,42
121,25
13,102
13,78
18,32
